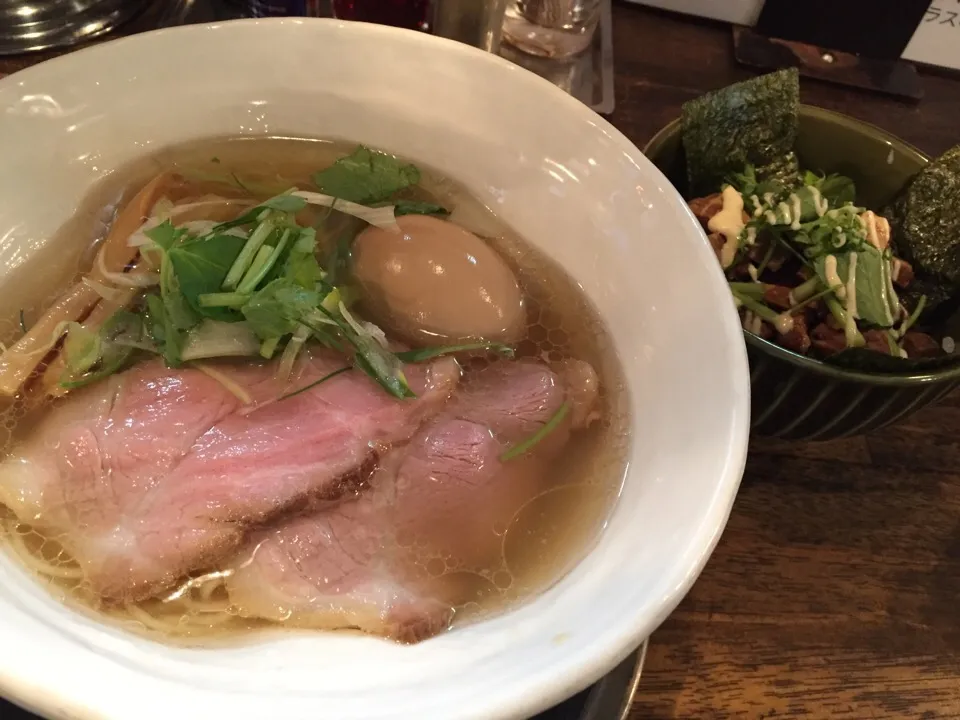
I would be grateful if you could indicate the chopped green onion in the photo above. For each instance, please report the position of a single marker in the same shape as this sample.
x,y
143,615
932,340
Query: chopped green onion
x,y
552,424
23,323
322,334
313,384
291,351
414,356
268,347
81,349
836,309
248,283
757,308
783,241
750,289
375,360
914,316
892,344
766,259
806,289
246,256
252,279
225,299
807,301
113,352
840,315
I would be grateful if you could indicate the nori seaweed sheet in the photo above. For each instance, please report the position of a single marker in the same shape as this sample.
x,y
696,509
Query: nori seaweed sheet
x,y
784,170
752,122
925,229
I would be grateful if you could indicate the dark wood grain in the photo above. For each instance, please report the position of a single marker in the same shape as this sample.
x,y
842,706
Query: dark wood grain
x,y
835,590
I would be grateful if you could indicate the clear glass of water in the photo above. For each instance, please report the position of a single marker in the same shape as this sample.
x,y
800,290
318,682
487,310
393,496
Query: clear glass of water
x,y
551,28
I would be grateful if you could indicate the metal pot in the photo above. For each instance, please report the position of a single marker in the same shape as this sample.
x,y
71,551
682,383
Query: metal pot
x,y
29,25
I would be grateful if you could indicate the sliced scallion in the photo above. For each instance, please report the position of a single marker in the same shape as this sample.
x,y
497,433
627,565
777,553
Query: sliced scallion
x,y
914,316
268,347
252,279
248,283
526,445
225,299
247,254
414,356
313,384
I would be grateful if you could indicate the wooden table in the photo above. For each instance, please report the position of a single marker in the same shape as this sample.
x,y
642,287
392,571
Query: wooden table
x,y
834,591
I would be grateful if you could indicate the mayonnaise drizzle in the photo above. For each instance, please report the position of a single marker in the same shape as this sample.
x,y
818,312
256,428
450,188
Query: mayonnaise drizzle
x,y
833,279
729,223
819,204
785,213
784,323
795,201
850,326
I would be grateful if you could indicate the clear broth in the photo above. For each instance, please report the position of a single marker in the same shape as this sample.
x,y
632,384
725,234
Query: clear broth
x,y
548,533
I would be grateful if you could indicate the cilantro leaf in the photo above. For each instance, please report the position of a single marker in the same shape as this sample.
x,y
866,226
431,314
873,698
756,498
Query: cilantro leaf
x,y
276,310
838,190
164,333
201,264
165,235
178,309
366,176
301,264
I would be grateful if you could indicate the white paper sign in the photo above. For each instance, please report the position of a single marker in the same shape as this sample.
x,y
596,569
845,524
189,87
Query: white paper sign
x,y
937,39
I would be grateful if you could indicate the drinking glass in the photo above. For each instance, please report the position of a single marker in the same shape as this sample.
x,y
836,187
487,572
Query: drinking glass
x,y
474,22
551,28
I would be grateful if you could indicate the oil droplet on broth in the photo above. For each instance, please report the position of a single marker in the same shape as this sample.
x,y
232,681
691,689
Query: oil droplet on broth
x,y
453,587
436,567
537,541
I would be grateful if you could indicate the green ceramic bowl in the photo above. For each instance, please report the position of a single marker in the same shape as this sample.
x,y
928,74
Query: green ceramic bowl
x,y
800,398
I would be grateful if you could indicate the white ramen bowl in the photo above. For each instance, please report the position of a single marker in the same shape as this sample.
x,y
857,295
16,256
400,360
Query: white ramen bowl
x,y
555,171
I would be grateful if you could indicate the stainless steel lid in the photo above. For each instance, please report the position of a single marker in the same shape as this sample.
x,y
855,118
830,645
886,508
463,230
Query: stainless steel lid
x,y
28,25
